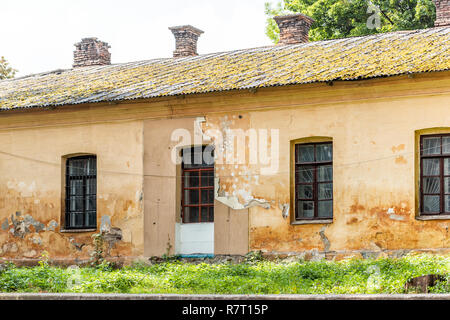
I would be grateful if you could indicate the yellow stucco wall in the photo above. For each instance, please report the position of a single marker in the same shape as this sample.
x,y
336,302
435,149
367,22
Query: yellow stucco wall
x,y
374,192
375,173
31,188
373,125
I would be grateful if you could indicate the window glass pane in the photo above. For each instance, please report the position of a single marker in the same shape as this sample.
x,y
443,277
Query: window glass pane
x,y
306,153
70,167
305,191
305,174
431,167
91,219
325,173
91,166
207,178
207,196
208,155
446,185
447,167
78,167
191,179
91,203
191,214
76,220
431,145
204,214
76,187
211,214
81,167
75,167
72,221
446,145
325,209
431,185
447,203
76,203
305,209
198,156
325,191
91,186
431,204
191,196
324,152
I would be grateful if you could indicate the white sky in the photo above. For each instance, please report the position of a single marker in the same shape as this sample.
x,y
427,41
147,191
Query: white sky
x,y
39,35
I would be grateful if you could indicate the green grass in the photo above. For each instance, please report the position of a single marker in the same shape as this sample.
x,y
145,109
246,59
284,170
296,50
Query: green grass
x,y
254,277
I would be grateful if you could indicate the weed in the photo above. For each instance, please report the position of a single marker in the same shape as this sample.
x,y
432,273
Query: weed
x,y
253,257
97,255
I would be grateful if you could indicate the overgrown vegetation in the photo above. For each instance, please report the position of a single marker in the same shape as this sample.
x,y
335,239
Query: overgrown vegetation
x,y
255,276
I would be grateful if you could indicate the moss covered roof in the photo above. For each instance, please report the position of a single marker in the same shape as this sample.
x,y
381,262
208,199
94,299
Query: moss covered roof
x,y
353,58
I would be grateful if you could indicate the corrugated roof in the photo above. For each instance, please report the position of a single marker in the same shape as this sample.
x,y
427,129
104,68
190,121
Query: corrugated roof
x,y
343,59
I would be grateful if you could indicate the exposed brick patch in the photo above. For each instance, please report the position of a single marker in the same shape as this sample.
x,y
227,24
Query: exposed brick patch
x,y
294,28
186,38
442,13
91,52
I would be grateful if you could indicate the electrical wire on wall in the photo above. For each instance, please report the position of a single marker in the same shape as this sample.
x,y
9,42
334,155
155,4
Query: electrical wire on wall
x,y
223,176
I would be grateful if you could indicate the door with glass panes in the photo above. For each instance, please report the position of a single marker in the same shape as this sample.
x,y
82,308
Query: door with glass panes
x,y
195,233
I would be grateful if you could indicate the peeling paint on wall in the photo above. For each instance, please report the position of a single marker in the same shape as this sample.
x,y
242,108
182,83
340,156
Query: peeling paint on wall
x,y
5,224
22,226
112,236
324,238
234,179
36,240
105,224
284,207
52,225
233,201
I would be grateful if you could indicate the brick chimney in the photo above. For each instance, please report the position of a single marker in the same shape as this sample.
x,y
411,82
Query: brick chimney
x,y
442,13
186,38
91,52
294,28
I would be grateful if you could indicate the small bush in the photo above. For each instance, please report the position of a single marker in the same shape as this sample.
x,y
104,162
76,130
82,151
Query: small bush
x,y
254,257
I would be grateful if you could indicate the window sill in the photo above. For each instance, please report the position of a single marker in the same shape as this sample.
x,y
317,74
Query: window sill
x,y
317,221
76,230
434,217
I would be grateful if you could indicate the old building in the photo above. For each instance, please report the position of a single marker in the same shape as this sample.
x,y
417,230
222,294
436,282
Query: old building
x,y
329,148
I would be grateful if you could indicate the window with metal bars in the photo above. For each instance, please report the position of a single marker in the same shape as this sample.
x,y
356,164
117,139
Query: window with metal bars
x,y
314,181
81,192
197,184
435,174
